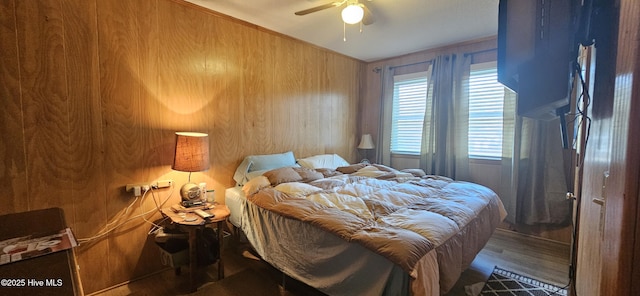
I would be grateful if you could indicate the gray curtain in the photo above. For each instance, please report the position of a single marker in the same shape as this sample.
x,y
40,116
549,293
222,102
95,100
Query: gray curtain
x,y
383,153
444,148
534,183
542,186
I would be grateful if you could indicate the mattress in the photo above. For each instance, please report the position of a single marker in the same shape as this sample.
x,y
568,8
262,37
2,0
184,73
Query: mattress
x,y
235,200
336,266
320,259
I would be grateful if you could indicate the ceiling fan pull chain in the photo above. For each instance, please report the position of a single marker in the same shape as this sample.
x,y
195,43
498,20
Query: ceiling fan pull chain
x,y
344,32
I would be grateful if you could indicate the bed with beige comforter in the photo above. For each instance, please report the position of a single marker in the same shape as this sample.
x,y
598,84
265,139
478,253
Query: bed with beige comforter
x,y
429,228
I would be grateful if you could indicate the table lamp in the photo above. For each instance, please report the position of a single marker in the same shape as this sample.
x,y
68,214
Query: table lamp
x,y
191,155
366,143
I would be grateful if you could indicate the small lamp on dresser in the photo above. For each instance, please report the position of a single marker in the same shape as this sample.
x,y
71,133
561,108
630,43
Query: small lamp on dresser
x,y
366,144
191,155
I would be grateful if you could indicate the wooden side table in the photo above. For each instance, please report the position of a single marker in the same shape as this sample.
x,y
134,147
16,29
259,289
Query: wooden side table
x,y
191,222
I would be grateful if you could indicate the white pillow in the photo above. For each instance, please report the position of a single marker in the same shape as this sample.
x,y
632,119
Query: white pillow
x,y
370,171
296,188
323,161
255,184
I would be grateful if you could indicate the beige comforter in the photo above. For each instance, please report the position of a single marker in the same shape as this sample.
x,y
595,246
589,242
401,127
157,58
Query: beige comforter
x,y
399,216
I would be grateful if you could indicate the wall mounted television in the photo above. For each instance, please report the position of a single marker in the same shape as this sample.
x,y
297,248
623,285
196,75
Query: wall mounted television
x,y
537,52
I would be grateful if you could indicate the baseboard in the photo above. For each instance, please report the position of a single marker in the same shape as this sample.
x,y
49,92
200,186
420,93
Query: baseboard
x,y
516,233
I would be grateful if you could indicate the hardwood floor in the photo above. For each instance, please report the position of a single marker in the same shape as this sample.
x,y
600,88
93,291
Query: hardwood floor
x,y
531,256
542,259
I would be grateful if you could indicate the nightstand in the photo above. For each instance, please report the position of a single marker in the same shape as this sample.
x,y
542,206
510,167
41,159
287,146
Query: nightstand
x,y
187,220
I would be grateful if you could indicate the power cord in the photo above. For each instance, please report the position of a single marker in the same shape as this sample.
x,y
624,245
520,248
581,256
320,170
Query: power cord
x,y
108,228
582,103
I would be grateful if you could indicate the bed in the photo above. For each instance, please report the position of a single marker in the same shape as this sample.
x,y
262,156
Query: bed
x,y
360,229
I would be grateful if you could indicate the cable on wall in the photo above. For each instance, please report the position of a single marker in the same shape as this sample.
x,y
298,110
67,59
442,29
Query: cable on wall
x,y
108,228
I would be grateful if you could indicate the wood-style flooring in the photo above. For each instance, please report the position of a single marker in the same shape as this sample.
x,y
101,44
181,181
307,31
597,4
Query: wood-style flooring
x,y
538,258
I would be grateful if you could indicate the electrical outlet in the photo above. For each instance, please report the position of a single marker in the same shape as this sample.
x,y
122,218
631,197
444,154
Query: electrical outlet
x,y
139,188
131,187
162,184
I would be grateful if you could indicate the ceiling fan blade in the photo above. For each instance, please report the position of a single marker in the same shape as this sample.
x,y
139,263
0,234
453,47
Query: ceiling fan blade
x,y
318,8
368,17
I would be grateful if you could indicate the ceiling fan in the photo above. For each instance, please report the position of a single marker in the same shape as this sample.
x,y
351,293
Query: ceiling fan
x,y
354,12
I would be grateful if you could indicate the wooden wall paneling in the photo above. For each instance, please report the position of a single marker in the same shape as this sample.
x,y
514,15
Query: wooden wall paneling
x,y
239,115
283,101
247,119
287,124
326,103
239,73
631,57
294,98
370,109
278,80
13,168
124,28
220,117
260,139
316,104
350,130
318,115
343,105
612,148
85,129
181,65
156,153
177,80
106,91
591,214
45,104
621,220
309,117
330,104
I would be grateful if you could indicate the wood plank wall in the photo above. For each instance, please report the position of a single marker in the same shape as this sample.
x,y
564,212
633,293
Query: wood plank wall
x,y
93,91
609,232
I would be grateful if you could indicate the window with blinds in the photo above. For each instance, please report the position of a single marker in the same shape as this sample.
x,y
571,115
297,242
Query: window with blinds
x,y
409,104
486,101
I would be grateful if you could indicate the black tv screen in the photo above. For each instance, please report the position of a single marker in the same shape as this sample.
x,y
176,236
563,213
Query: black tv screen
x,y
537,53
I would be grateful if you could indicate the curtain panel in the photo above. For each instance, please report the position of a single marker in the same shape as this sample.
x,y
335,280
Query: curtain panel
x,y
383,154
445,132
534,184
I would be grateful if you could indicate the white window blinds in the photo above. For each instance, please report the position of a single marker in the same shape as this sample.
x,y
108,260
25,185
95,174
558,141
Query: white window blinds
x,y
409,103
486,101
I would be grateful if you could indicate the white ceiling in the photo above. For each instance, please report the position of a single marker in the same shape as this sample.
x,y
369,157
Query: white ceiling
x,y
400,27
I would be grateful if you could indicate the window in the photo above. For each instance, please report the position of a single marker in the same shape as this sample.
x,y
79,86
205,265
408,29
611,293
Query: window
x,y
409,104
486,100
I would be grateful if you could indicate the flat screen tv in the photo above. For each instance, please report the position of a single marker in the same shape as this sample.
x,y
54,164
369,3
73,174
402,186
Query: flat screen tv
x,y
537,52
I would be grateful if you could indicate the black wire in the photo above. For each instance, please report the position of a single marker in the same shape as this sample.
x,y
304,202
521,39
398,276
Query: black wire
x,y
560,289
585,98
582,104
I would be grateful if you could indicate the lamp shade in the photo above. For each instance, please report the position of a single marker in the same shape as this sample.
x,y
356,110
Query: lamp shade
x,y
366,142
352,14
191,153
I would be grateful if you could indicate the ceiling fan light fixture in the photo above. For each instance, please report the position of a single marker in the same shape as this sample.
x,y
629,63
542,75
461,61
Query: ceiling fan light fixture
x,y
352,14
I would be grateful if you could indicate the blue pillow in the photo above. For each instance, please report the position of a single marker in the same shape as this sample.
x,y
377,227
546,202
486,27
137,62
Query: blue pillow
x,y
265,162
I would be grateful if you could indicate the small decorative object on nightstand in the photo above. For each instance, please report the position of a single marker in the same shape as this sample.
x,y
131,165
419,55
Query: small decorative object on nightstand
x,y
366,144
